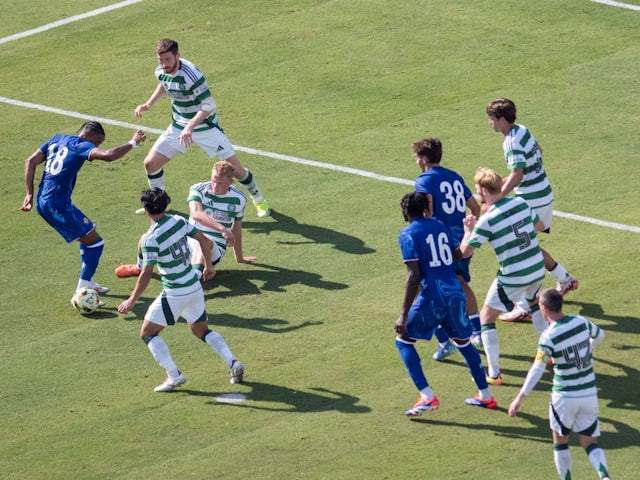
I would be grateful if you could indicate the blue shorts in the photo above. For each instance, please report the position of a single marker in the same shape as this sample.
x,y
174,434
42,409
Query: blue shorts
x,y
462,268
427,314
67,220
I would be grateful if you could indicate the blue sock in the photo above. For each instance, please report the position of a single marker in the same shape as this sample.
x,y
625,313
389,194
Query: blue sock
x,y
474,318
474,362
90,257
411,360
442,336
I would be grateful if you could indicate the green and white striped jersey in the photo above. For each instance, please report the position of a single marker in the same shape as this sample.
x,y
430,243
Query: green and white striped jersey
x,y
224,209
508,226
165,245
569,342
521,150
187,89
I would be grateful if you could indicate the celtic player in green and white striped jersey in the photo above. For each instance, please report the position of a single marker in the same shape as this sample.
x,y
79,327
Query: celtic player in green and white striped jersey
x,y
165,245
194,120
217,208
528,179
510,226
568,342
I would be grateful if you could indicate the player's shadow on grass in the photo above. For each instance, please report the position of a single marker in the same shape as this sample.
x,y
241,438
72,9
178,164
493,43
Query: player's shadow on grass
x,y
269,325
264,277
312,233
594,311
276,398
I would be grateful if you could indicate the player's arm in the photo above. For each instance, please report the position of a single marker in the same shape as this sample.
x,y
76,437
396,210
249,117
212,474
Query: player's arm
x,y
473,206
466,250
141,285
30,164
533,377
157,94
207,106
511,181
596,334
411,289
198,214
237,244
206,245
118,152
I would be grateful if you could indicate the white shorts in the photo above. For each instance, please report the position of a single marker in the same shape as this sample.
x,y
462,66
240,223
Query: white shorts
x,y
168,307
212,141
545,214
503,298
216,252
576,414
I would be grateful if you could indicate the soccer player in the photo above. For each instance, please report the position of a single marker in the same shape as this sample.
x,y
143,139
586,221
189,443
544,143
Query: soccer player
x,y
510,226
568,342
450,198
165,245
217,208
527,179
433,296
194,120
63,156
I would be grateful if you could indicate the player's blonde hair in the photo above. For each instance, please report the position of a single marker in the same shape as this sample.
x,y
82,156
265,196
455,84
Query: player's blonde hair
x,y
223,168
488,179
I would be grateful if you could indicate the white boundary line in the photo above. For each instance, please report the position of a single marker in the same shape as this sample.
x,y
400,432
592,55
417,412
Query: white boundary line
x,y
611,3
298,160
75,18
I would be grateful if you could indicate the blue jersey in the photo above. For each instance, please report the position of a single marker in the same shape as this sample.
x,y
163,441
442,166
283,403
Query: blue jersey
x,y
449,195
65,156
428,241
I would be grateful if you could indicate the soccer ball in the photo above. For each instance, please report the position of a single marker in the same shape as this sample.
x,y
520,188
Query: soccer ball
x,y
85,300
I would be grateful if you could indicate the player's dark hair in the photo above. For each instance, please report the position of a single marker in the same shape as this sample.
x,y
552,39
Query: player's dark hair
x,y
92,127
428,147
155,200
415,205
551,299
167,45
502,108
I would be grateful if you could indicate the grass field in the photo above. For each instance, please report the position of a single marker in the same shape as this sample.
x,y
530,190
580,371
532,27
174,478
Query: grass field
x,y
349,84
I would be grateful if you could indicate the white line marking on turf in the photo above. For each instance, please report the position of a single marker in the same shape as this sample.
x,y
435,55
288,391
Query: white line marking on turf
x,y
67,20
289,158
611,3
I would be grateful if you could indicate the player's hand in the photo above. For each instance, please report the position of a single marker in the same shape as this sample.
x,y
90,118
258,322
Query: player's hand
x,y
247,259
27,203
515,405
126,306
399,327
139,137
228,236
186,137
469,222
142,108
208,273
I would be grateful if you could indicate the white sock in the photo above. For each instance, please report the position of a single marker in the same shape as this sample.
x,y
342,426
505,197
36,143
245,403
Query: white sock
x,y
598,459
427,393
562,459
559,272
492,351
215,341
160,352
83,283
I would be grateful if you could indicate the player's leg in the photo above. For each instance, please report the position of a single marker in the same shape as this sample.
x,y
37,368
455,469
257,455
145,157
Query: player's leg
x,y
157,317
462,270
587,426
493,305
163,150
194,313
445,347
562,414
411,359
562,455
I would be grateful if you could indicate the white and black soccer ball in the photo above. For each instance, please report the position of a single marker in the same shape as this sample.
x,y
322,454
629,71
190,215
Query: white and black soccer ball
x,y
85,300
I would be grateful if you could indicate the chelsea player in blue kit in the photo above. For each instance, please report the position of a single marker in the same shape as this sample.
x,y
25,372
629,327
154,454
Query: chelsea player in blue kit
x,y
433,296
450,198
63,156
